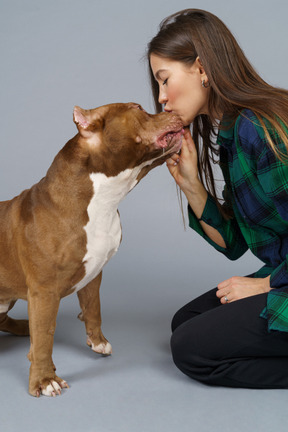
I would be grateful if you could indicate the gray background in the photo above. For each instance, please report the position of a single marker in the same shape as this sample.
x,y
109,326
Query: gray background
x,y
57,54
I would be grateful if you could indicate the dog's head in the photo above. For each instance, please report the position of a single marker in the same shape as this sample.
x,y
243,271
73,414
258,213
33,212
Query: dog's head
x,y
122,136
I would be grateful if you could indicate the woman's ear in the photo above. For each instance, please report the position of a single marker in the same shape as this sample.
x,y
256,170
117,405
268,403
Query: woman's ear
x,y
201,69
200,65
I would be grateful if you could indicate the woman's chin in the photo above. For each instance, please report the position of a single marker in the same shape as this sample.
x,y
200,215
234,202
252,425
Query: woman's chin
x,y
186,122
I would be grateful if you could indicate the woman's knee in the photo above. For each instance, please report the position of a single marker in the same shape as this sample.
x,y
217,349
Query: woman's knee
x,y
177,320
183,346
175,344
192,351
191,359
183,315
197,306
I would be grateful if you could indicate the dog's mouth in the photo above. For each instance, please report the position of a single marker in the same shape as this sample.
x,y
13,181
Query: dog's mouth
x,y
170,141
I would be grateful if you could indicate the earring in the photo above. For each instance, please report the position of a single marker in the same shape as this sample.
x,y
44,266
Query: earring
x,y
205,85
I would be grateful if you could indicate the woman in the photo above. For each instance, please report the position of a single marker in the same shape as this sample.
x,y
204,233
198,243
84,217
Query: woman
x,y
235,335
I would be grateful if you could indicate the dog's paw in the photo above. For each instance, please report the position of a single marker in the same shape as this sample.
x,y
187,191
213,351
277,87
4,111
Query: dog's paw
x,y
50,387
103,348
54,389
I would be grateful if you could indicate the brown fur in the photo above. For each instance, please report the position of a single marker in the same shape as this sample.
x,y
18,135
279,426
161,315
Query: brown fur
x,y
41,231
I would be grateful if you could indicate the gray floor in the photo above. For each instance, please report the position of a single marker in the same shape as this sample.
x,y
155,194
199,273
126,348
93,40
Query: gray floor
x,y
137,388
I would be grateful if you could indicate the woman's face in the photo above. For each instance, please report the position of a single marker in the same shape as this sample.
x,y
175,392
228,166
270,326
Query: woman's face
x,y
180,87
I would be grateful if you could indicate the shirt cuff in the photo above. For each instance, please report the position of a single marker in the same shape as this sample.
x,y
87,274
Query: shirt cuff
x,y
211,214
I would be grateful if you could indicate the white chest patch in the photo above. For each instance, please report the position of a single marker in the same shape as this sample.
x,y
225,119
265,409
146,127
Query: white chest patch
x,y
103,228
4,307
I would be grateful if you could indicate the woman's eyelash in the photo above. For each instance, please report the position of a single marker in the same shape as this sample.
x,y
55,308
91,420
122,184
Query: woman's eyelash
x,y
165,81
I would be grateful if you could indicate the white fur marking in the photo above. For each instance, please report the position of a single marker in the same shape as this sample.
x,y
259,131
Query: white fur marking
x,y
103,228
52,389
4,307
102,348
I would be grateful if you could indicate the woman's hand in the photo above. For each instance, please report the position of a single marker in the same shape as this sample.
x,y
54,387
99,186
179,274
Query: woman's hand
x,y
237,288
183,167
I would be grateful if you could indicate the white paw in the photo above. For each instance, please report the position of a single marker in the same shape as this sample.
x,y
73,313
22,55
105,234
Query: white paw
x,y
54,388
102,348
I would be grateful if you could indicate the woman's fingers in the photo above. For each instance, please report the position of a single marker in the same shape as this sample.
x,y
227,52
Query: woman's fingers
x,y
175,158
239,287
225,296
183,166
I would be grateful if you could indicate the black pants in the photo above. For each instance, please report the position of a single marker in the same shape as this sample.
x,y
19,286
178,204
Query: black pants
x,y
229,345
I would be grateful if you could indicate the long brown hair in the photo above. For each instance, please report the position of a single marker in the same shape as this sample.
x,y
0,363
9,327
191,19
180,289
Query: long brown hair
x,y
234,83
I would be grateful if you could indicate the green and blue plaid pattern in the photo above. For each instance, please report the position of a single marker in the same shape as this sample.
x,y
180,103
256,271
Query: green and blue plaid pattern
x,y
256,188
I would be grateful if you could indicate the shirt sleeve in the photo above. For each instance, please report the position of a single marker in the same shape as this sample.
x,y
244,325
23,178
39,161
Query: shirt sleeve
x,y
229,230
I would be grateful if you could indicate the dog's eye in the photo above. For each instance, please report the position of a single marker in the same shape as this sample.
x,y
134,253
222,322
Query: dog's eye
x,y
139,107
142,109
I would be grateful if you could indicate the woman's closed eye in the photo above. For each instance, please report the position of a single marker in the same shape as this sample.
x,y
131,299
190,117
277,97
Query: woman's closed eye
x,y
165,81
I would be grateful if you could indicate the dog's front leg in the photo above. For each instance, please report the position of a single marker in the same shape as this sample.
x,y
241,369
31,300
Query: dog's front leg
x,y
42,309
89,299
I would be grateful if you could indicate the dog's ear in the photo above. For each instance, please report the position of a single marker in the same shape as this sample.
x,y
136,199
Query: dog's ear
x,y
80,118
89,121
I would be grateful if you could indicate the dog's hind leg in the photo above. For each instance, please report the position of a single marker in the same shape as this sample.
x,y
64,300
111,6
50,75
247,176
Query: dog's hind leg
x,y
10,325
89,300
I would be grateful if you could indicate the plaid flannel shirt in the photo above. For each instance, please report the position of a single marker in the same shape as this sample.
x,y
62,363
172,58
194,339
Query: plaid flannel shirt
x,y
256,187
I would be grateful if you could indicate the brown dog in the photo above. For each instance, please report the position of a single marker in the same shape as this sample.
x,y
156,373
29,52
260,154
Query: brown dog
x,y
57,236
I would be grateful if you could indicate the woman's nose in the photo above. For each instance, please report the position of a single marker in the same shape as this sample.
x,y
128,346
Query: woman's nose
x,y
162,97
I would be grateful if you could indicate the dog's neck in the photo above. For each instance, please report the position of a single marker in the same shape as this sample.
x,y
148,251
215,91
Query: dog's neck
x,y
112,190
103,228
